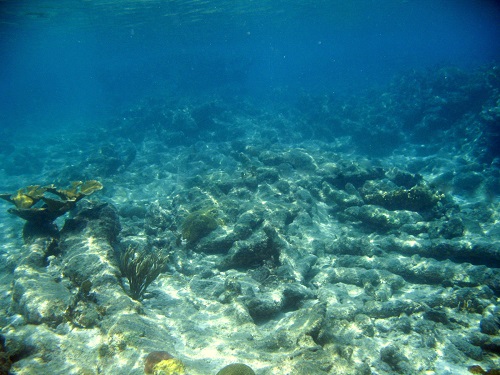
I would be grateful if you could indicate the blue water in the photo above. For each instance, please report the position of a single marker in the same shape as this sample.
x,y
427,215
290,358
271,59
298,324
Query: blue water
x,y
68,61
341,159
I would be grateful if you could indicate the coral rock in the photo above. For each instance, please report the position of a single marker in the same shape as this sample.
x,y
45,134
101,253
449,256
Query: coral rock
x,y
236,369
153,359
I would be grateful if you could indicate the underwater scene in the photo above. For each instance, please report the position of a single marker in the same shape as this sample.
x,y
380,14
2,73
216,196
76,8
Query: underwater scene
x,y
266,187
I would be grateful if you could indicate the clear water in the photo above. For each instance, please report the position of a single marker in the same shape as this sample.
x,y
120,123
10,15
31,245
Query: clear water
x,y
69,61
281,118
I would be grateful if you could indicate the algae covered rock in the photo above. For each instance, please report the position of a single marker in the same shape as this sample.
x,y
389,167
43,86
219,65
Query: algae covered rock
x,y
418,198
378,218
236,369
262,246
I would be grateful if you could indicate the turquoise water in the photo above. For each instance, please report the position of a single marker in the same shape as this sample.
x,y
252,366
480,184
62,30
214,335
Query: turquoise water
x,y
284,187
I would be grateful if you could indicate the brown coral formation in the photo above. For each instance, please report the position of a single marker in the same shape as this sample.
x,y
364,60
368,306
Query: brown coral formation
x,y
56,202
154,358
41,205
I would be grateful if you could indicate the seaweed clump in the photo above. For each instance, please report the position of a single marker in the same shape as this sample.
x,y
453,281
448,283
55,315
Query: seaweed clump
x,y
198,224
141,268
41,205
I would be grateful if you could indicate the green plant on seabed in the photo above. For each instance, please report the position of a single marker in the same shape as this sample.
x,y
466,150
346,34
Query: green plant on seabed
x,y
141,268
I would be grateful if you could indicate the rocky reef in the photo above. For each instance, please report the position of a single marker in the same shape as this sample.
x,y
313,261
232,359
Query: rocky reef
x,y
231,239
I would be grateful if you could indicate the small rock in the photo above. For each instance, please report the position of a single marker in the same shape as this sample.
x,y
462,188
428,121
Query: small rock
x,y
489,325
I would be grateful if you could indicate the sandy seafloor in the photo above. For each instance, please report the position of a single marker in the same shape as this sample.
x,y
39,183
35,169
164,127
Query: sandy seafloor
x,y
353,235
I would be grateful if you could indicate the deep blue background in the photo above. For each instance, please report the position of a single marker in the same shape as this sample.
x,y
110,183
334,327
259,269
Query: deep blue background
x,y
71,62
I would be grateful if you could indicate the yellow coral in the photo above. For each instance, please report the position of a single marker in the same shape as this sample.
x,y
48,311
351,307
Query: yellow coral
x,y
171,366
22,200
77,190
